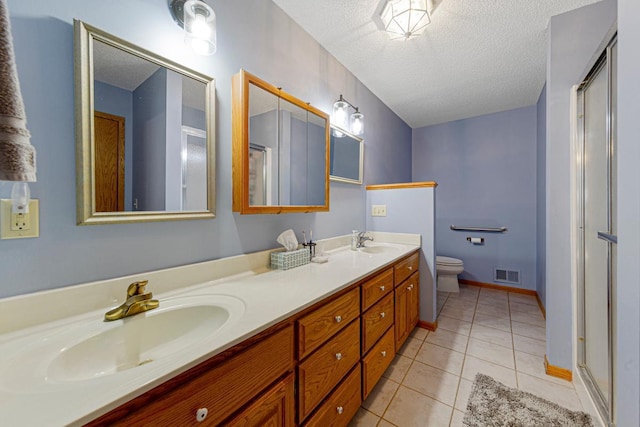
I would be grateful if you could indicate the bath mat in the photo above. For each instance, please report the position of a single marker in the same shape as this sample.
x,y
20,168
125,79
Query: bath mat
x,y
493,404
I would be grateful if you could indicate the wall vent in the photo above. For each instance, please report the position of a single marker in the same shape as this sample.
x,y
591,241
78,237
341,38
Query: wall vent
x,y
507,276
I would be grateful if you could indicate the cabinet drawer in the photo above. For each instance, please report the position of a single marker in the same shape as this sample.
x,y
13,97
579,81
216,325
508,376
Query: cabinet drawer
x,y
406,267
341,405
222,390
275,408
376,288
376,362
321,371
376,321
321,324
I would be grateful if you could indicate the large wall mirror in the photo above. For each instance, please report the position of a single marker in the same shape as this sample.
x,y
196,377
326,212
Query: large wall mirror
x,y
280,150
347,156
144,134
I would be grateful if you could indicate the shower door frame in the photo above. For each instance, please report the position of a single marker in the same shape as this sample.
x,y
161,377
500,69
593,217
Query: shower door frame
x,y
603,62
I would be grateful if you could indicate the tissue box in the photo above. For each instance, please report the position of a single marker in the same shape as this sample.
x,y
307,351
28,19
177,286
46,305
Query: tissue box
x,y
287,260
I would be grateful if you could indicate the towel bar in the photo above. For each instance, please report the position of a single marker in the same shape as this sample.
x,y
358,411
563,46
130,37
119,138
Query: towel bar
x,y
485,229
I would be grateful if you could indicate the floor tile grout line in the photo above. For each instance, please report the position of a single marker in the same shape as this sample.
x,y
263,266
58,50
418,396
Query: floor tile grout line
x,y
515,362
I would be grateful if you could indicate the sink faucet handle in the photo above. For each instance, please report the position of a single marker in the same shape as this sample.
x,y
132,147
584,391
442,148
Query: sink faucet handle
x,y
136,288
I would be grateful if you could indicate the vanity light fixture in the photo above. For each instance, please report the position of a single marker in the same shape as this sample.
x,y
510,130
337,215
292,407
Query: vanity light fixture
x,y
199,22
341,118
405,19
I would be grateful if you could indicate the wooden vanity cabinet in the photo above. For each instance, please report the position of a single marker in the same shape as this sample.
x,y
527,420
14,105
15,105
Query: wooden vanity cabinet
x,y
313,369
407,305
222,385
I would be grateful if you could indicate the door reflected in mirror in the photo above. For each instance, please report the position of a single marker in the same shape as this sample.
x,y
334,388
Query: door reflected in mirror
x,y
347,156
145,132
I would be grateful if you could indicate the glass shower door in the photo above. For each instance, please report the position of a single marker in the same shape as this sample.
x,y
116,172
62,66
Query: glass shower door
x,y
597,102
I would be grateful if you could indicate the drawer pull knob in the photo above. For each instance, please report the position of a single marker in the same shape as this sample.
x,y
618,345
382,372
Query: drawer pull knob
x,y
382,314
384,353
340,410
410,267
382,288
338,319
201,414
338,356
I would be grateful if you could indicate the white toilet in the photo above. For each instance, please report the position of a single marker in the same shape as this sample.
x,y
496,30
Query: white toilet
x,y
447,269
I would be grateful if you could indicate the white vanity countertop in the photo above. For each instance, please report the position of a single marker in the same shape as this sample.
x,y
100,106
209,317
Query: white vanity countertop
x,y
30,398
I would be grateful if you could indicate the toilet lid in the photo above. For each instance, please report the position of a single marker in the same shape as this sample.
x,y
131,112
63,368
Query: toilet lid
x,y
445,260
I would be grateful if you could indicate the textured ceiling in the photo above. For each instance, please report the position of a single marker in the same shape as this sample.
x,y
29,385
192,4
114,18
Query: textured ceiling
x,y
476,57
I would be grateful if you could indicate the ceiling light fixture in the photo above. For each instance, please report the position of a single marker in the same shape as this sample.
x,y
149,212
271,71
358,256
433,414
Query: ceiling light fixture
x,y
405,19
341,118
199,22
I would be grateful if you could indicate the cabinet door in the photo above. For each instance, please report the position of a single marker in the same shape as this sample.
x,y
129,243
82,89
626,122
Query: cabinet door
x,y
274,409
402,302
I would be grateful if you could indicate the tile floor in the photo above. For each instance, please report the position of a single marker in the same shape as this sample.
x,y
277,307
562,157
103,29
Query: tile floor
x,y
501,334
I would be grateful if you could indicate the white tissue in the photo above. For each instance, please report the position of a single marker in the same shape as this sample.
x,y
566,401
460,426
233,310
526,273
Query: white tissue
x,y
288,240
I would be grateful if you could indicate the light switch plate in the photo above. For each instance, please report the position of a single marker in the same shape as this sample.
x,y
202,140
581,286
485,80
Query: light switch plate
x,y
378,210
19,227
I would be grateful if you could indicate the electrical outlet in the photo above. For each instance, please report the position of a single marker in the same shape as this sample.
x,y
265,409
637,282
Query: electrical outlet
x,y
378,210
19,226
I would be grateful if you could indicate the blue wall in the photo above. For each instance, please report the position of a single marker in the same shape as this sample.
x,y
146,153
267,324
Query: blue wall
x,y
574,38
252,34
485,168
541,203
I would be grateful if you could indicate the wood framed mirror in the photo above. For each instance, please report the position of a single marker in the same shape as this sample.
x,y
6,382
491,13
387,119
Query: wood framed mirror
x,y
280,150
145,134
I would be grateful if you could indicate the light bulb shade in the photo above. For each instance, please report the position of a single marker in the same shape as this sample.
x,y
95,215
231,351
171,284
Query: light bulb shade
x,y
200,27
405,19
357,123
20,196
340,115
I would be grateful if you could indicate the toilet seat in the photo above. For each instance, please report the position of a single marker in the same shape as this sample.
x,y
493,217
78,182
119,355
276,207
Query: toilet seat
x,y
448,261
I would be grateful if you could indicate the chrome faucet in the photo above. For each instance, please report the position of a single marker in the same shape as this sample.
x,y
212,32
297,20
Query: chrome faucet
x,y
362,237
138,301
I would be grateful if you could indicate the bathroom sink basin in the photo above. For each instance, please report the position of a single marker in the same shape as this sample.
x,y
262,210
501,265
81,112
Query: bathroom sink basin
x,y
91,349
378,249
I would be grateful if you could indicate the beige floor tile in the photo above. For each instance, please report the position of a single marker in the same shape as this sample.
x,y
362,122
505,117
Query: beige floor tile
x,y
456,419
457,313
493,310
385,423
398,368
432,382
364,418
454,325
502,323
473,365
380,397
525,308
419,333
460,304
448,339
494,300
490,352
529,345
523,299
530,319
492,335
494,294
530,331
410,347
563,396
412,409
465,294
534,366
464,391
441,358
